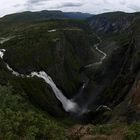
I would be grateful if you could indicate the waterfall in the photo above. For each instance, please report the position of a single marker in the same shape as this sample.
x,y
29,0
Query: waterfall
x,y
68,105
3,40
53,30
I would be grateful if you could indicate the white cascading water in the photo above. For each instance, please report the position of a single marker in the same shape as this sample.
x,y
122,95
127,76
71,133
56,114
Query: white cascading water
x,y
67,29
68,105
53,30
2,53
3,40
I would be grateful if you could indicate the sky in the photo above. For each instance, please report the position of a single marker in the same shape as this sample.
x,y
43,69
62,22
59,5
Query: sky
x,y
88,6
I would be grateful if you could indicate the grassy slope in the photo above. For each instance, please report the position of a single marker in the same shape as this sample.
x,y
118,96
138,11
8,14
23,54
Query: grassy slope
x,y
20,120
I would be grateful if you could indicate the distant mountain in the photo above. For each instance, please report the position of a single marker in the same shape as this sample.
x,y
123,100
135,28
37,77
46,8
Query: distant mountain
x,y
13,21
78,15
113,22
44,15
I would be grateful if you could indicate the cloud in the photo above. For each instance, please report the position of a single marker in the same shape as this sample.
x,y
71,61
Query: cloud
x,y
91,6
36,1
31,4
122,2
106,10
135,8
67,4
106,1
17,5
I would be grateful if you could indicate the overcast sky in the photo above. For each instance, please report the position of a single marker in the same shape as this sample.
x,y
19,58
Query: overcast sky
x,y
90,6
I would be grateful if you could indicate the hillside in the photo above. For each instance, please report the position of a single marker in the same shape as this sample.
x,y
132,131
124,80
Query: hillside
x,y
8,22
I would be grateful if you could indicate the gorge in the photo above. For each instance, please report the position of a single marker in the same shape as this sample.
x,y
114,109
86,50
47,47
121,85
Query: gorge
x,y
68,104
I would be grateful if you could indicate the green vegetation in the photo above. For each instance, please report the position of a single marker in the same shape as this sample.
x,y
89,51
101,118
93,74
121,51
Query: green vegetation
x,y
133,132
103,129
20,120
118,131
40,94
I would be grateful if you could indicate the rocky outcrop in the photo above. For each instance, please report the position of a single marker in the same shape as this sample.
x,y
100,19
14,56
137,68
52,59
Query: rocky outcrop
x,y
123,93
115,22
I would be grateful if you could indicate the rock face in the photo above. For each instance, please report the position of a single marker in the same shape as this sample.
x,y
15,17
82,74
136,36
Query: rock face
x,y
80,132
90,137
129,109
111,22
120,75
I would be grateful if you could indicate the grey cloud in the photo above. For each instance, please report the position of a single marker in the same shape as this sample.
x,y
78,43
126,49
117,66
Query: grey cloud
x,y
106,1
16,5
67,4
97,4
31,3
134,8
106,10
122,2
36,1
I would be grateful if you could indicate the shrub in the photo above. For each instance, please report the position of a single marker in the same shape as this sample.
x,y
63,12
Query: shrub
x,y
133,132
103,129
20,120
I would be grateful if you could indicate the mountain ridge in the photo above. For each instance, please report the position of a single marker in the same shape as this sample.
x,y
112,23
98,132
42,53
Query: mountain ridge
x,y
48,14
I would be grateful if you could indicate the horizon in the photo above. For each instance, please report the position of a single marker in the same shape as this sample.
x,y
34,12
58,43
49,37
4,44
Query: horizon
x,y
84,6
67,12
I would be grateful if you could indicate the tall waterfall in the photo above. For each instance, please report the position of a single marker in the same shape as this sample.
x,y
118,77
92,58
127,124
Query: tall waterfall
x,y
68,105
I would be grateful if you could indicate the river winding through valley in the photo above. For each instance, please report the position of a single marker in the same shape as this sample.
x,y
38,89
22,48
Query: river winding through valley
x,y
68,104
96,46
